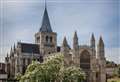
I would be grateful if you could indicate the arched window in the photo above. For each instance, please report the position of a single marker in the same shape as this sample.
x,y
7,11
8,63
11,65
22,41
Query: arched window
x,y
85,60
47,38
51,39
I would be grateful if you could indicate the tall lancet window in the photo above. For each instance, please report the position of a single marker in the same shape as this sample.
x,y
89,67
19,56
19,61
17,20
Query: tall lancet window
x,y
47,39
51,39
85,60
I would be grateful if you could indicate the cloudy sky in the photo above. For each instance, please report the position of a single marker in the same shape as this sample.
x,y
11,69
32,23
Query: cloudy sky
x,y
21,19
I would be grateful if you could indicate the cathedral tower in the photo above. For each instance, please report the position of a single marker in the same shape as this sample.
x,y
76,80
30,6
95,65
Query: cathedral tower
x,y
46,38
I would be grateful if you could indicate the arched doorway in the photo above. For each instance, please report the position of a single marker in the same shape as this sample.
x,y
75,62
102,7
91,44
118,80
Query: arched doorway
x,y
85,63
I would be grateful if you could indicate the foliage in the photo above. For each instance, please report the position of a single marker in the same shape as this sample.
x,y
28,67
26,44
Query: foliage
x,y
18,76
115,79
52,70
119,71
110,64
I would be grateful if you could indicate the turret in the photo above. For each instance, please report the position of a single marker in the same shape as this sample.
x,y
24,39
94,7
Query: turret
x,y
65,46
75,55
101,43
65,43
7,59
75,41
100,49
65,50
6,63
101,60
11,50
14,48
92,42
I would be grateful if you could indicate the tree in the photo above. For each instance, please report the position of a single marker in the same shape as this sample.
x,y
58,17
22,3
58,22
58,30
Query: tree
x,y
18,76
119,71
52,70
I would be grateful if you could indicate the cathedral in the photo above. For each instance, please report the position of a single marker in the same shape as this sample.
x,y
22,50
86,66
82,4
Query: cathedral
x,y
90,58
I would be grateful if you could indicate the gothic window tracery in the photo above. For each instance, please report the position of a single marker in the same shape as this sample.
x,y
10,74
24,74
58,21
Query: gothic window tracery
x,y
85,60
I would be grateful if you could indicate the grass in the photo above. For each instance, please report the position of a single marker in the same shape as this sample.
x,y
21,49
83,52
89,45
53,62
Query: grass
x,y
116,79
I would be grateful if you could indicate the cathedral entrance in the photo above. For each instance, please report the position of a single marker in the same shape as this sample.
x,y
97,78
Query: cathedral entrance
x,y
85,64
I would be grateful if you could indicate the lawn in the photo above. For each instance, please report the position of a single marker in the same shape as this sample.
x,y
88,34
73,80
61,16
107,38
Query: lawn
x,y
114,79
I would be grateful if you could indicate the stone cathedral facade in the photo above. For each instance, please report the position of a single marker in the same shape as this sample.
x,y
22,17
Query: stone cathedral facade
x,y
87,57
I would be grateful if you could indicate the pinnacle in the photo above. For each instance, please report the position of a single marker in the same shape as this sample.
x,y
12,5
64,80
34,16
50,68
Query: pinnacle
x,y
101,41
92,38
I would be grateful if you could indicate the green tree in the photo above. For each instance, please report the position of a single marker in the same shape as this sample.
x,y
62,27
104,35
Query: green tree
x,y
119,71
52,70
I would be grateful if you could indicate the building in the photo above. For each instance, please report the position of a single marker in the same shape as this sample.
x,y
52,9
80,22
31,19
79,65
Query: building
x,y
3,74
111,69
92,61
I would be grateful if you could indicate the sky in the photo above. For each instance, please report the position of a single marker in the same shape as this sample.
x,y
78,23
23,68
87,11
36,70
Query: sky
x,y
21,19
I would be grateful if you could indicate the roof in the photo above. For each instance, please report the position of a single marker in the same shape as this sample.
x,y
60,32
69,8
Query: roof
x,y
45,27
29,48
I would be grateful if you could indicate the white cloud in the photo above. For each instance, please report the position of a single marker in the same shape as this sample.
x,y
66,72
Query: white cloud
x,y
113,54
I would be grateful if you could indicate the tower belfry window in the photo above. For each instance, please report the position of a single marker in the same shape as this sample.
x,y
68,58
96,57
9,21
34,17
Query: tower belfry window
x,y
47,38
50,39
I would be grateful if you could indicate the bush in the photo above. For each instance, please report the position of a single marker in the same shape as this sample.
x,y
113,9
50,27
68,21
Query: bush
x,y
52,70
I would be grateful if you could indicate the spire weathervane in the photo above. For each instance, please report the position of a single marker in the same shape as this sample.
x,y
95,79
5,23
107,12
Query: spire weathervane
x,y
45,4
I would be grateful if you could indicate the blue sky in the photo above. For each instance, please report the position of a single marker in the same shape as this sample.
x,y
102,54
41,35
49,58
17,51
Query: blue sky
x,y
21,19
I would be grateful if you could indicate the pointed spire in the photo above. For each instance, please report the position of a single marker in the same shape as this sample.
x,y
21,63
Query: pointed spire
x,y
6,58
75,35
65,42
14,47
101,49
92,38
75,41
45,27
101,43
7,54
92,41
11,50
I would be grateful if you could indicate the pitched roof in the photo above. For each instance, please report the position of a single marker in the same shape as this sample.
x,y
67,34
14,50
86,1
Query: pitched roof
x,y
45,27
29,48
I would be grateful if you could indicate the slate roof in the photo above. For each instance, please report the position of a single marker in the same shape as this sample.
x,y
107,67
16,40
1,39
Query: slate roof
x,y
29,48
45,27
